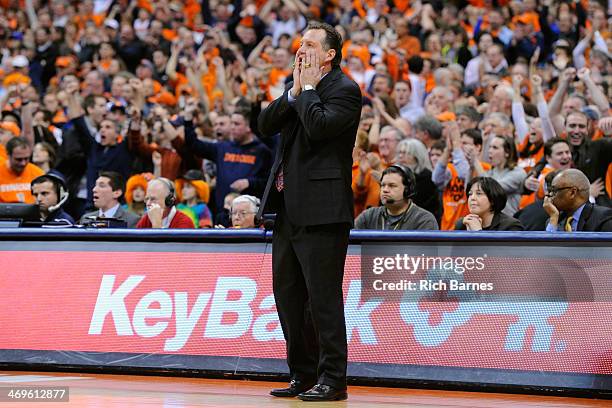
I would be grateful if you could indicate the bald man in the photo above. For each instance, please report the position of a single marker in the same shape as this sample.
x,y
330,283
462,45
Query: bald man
x,y
160,200
568,207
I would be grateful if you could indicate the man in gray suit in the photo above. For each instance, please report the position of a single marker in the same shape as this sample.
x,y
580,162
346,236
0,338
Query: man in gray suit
x,y
106,194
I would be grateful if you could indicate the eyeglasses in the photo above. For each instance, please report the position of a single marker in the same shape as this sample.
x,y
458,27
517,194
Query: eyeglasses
x,y
553,190
242,213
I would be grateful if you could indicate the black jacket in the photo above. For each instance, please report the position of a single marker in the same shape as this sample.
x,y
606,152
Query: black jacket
x,y
317,137
427,195
594,218
500,222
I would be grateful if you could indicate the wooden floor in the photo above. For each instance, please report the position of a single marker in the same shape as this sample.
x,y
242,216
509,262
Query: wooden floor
x,y
102,391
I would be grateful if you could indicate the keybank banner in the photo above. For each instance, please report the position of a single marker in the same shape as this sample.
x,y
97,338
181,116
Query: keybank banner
x,y
216,300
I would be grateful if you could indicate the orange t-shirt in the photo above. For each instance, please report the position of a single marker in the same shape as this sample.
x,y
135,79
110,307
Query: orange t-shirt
x,y
16,189
454,199
366,196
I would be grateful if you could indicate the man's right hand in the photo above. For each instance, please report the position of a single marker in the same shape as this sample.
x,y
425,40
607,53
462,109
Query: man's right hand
x,y
155,213
297,85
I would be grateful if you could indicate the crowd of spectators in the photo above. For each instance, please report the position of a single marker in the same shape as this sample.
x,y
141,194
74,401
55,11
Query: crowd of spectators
x,y
140,110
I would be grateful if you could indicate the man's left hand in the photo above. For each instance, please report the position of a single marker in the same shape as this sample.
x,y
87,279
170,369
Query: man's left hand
x,y
240,185
311,69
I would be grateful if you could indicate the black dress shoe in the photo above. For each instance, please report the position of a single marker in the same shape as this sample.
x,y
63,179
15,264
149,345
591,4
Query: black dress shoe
x,y
322,392
295,387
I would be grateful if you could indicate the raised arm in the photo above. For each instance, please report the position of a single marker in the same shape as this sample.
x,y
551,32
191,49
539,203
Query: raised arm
x,y
199,148
556,101
578,52
596,93
26,120
518,112
254,55
175,50
548,130
136,142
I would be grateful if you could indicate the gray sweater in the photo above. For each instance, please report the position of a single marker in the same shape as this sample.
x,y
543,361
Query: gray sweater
x,y
377,218
512,182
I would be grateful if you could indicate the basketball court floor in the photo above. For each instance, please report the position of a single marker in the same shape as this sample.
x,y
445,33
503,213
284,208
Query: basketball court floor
x,y
104,390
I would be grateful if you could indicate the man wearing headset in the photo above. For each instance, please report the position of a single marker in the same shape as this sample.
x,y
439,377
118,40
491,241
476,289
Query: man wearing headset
x,y
398,212
160,200
51,193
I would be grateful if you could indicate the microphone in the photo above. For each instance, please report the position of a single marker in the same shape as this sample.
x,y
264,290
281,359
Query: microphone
x,y
60,203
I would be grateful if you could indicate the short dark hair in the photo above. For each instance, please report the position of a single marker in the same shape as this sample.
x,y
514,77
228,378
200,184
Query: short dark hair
x,y
415,64
244,111
333,40
438,145
44,178
90,101
14,143
474,134
115,180
407,175
492,189
549,178
550,143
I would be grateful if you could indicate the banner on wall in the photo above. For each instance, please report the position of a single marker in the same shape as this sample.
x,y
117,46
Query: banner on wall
x,y
212,300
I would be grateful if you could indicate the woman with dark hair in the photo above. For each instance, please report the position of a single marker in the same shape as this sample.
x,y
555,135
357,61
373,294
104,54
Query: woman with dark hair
x,y
486,200
44,156
503,158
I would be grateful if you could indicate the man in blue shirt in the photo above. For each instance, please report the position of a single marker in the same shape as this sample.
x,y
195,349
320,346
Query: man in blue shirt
x,y
568,207
243,163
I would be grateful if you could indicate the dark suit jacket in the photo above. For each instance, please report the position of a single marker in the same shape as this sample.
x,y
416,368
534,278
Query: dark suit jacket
x,y
317,137
121,214
500,222
593,218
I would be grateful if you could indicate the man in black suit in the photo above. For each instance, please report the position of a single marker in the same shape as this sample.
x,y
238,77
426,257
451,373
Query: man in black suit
x,y
567,204
310,190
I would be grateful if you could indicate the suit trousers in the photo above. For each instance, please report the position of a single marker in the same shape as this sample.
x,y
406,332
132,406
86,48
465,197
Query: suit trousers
x,y
308,270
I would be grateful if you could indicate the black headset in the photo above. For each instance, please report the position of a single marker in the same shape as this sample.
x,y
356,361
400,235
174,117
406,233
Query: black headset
x,y
59,183
408,179
170,199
